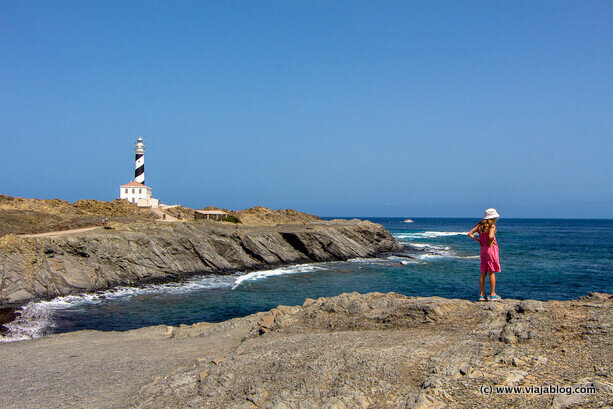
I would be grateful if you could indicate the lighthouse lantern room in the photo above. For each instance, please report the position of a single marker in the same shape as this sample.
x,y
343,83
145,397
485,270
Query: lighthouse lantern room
x,y
136,191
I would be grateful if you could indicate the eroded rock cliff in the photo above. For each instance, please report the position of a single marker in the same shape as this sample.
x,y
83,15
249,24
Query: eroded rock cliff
x,y
153,252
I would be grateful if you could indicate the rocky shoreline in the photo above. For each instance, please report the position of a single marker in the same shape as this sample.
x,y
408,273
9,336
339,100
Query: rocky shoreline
x,y
139,253
349,351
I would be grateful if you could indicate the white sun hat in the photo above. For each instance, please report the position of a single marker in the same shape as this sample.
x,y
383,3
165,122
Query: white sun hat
x,y
491,214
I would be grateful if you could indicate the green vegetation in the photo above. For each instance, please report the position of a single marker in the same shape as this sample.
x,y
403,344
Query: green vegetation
x,y
232,219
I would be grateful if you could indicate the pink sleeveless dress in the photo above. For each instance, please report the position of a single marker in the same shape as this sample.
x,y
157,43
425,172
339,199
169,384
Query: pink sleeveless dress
x,y
489,254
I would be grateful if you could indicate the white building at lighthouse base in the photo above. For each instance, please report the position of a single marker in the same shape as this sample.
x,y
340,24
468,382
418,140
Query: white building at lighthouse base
x,y
138,194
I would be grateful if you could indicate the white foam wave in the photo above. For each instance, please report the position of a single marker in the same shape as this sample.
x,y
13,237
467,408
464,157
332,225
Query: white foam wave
x,y
434,256
366,260
443,254
428,251
428,234
426,247
383,261
403,260
34,320
257,275
193,284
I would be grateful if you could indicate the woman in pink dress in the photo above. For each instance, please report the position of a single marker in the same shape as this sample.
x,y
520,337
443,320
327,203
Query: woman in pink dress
x,y
490,263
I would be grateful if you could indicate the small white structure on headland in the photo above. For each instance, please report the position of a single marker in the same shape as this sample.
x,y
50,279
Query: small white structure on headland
x,y
210,215
136,191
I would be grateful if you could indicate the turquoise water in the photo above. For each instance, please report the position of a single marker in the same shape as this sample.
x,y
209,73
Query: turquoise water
x,y
541,259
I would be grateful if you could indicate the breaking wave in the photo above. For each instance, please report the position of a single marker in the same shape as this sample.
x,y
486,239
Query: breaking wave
x,y
34,320
257,275
361,260
426,251
428,234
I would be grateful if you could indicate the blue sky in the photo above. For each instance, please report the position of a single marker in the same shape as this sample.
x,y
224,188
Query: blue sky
x,y
332,107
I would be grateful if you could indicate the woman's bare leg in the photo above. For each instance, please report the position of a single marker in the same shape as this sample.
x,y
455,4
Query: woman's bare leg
x,y
482,283
493,282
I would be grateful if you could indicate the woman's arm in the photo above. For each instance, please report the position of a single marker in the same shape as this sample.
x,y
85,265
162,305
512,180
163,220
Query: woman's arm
x,y
492,235
471,233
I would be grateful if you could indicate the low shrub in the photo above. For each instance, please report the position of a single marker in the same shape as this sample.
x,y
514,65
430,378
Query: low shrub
x,y
232,219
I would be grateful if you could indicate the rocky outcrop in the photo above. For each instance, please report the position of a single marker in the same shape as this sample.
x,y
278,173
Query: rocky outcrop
x,y
392,351
154,252
349,351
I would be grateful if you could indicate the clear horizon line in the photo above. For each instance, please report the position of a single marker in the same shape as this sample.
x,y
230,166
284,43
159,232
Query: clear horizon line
x,y
461,217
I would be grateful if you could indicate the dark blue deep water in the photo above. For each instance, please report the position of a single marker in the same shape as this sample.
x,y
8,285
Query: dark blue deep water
x,y
541,259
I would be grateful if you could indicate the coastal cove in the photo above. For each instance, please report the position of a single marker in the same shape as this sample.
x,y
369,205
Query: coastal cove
x,y
542,259
353,350
306,205
47,267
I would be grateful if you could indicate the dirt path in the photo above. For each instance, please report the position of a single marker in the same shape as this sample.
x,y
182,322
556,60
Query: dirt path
x,y
62,232
163,217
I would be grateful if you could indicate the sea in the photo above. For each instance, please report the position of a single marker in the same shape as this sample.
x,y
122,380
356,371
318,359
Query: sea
x,y
541,259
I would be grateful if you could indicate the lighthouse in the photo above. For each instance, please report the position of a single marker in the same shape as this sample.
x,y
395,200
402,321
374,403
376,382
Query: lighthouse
x,y
136,191
139,161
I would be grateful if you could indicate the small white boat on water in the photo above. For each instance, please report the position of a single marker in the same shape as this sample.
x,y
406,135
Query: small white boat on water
x,y
409,221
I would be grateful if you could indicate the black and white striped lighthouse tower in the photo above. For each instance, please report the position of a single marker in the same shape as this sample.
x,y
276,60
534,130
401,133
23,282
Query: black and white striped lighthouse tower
x,y
139,161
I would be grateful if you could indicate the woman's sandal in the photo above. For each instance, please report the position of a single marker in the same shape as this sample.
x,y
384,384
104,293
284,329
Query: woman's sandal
x,y
495,297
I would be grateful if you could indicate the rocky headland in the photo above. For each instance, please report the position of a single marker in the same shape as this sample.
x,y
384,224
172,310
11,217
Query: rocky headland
x,y
349,351
148,251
